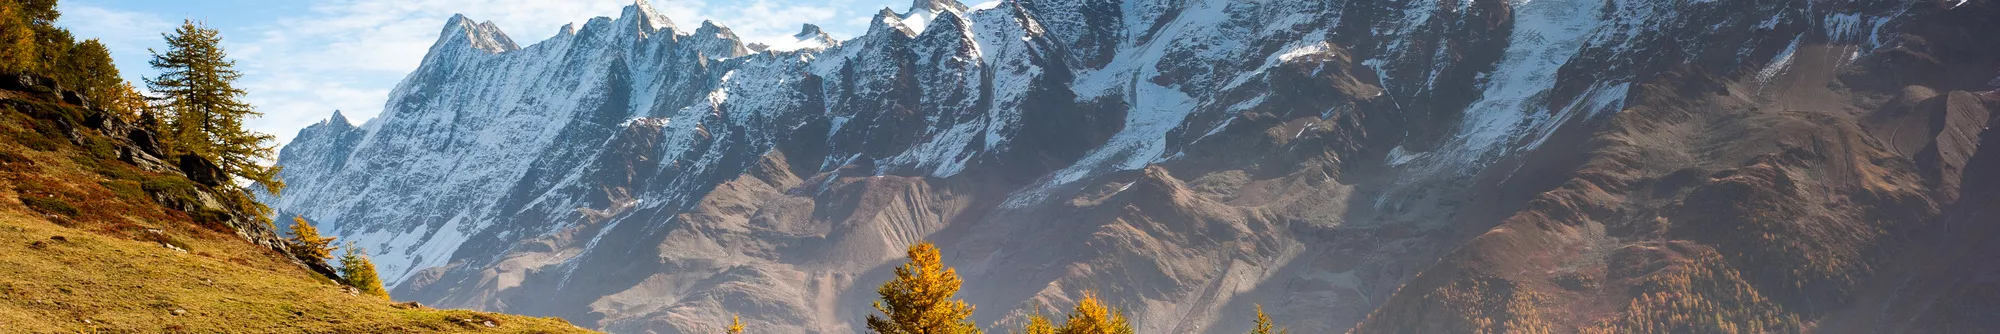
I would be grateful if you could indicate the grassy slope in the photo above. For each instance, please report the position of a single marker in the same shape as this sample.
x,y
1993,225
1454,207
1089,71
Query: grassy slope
x,y
100,261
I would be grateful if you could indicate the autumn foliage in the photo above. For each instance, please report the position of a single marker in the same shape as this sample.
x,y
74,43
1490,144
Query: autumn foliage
x,y
919,300
1090,316
306,244
1264,325
358,272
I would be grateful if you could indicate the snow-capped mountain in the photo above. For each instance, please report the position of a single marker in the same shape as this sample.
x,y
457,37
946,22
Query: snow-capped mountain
x,y
1375,165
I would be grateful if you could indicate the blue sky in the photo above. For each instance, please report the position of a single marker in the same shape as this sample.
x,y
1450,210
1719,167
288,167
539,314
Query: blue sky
x,y
304,59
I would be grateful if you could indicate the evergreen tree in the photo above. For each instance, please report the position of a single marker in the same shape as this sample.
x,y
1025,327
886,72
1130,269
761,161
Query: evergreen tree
x,y
919,300
1092,317
306,244
358,272
205,111
1264,325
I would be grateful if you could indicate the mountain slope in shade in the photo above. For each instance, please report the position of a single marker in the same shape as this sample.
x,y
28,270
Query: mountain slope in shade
x,y
1373,165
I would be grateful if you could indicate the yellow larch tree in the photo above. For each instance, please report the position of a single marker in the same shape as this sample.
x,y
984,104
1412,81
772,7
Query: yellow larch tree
x,y
919,300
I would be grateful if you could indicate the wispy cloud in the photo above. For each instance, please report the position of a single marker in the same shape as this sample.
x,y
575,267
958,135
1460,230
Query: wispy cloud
x,y
347,54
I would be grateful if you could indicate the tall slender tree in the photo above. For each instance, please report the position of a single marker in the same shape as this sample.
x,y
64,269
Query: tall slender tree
x,y
205,111
919,300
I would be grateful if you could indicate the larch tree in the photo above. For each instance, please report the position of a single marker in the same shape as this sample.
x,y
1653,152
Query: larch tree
x,y
1264,325
203,109
919,300
1038,324
735,324
89,69
1093,317
127,102
17,39
306,244
358,272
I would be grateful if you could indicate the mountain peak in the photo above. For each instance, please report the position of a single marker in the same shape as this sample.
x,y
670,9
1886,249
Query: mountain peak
x,y
337,118
887,20
647,17
809,30
716,40
935,6
486,36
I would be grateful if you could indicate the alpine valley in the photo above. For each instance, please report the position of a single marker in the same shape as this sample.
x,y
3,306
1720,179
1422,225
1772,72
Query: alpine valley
x,y
1398,166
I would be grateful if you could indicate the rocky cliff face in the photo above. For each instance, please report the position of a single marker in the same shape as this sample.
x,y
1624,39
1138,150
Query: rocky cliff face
x,y
1373,165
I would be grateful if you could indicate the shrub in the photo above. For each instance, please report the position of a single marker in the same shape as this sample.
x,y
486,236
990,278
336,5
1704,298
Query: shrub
x,y
49,205
127,189
16,163
35,139
9,158
101,148
174,187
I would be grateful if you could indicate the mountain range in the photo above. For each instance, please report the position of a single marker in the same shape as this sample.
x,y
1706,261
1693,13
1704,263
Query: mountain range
x,y
1350,165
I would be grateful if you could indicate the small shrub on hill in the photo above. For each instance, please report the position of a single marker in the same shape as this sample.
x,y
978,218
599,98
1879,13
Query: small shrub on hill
x,y
49,205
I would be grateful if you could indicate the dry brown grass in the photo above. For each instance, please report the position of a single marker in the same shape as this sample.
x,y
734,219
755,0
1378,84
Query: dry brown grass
x,y
84,248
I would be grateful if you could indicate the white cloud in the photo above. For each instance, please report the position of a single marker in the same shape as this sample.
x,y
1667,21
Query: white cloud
x,y
347,54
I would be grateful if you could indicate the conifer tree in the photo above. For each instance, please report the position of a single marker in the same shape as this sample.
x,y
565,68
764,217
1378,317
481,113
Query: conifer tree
x,y
358,272
1092,317
1264,325
1038,324
919,300
127,102
39,12
88,69
205,111
18,53
306,244
735,324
